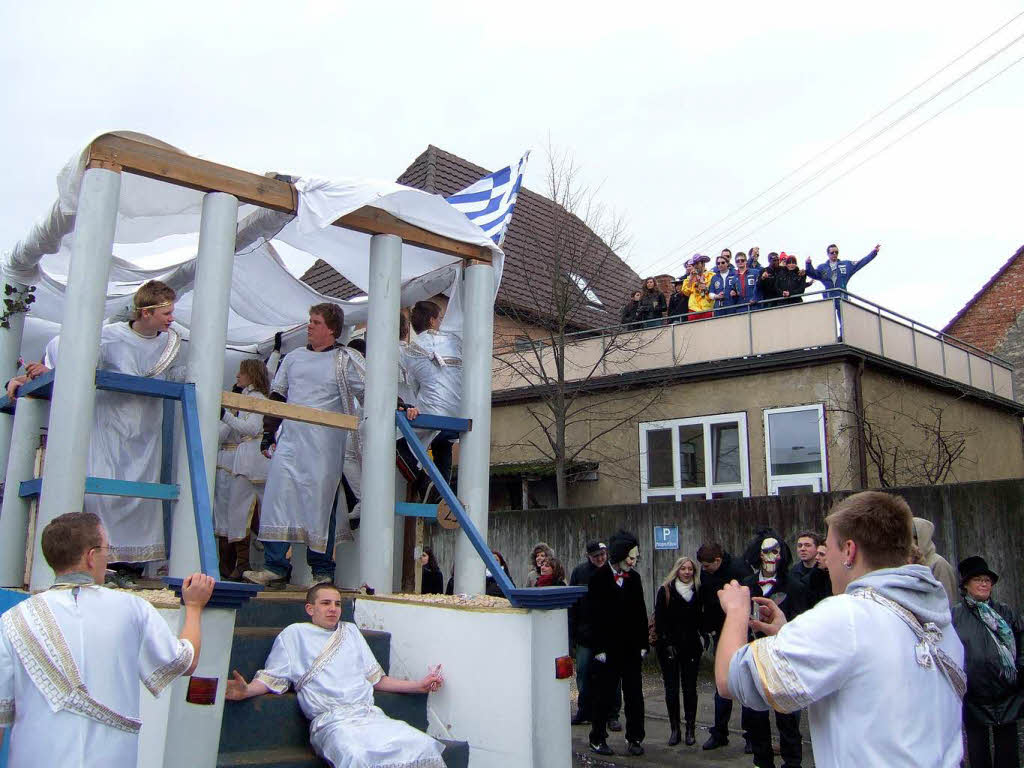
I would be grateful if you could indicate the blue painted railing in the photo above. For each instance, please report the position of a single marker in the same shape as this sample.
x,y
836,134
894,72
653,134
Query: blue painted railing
x,y
543,598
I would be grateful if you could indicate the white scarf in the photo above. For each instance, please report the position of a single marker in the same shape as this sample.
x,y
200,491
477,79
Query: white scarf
x,y
685,590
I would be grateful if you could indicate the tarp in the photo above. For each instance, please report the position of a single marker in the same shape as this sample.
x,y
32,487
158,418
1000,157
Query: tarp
x,y
157,235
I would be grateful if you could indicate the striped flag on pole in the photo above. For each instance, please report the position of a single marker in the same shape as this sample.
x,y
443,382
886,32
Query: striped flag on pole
x,y
490,201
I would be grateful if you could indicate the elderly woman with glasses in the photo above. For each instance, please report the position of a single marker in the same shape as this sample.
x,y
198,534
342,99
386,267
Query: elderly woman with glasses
x,y
991,634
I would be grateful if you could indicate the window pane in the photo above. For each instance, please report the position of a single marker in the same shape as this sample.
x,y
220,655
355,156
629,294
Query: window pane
x,y
727,495
659,458
691,456
793,490
725,453
794,441
661,499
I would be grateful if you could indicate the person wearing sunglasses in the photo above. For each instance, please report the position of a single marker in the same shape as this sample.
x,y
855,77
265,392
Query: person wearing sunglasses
x,y
835,273
723,287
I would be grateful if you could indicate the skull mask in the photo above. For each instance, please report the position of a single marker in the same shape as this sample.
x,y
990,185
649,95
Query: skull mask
x,y
771,551
630,562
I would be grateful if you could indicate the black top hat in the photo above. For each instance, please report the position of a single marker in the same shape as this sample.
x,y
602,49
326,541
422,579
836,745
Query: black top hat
x,y
975,565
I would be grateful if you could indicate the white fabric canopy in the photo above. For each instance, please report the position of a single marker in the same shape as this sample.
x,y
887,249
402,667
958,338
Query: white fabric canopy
x,y
157,235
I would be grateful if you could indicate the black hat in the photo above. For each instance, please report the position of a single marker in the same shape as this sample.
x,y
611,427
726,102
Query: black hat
x,y
596,546
975,565
619,545
679,280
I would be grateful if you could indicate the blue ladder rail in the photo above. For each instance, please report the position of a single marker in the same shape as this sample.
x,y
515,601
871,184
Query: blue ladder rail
x,y
111,381
543,598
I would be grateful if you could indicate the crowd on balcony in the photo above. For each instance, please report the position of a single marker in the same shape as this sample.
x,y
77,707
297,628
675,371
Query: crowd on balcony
x,y
734,285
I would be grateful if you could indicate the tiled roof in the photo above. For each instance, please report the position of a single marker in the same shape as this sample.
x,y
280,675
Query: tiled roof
x,y
985,319
529,243
327,280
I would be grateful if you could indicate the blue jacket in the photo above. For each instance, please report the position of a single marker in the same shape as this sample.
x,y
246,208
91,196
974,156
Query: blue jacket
x,y
752,278
720,284
845,269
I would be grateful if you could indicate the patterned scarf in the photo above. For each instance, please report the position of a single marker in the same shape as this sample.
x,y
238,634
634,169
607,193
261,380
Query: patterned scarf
x,y
1001,633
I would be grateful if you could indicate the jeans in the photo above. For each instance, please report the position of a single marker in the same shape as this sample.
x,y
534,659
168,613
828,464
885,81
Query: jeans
x,y
275,553
585,686
978,749
675,671
758,726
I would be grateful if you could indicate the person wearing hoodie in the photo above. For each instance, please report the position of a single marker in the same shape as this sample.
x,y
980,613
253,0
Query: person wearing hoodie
x,y
924,530
878,666
991,634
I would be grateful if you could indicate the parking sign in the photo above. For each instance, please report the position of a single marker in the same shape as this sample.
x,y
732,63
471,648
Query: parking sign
x,y
666,537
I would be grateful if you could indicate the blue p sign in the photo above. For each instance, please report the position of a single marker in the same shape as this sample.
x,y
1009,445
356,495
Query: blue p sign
x,y
666,537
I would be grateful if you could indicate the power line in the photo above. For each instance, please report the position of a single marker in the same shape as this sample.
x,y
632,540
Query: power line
x,y
887,146
841,140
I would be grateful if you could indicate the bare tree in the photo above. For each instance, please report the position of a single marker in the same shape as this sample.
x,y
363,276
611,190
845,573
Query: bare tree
x,y
904,442
557,352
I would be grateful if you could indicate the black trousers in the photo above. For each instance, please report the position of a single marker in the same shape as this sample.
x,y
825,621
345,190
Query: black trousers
x,y
675,672
759,729
723,711
624,667
978,751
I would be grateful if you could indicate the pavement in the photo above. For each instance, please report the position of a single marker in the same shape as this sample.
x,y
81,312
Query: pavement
x,y
657,751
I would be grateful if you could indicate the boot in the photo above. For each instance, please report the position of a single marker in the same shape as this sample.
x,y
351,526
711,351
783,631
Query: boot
x,y
674,737
691,739
226,555
241,553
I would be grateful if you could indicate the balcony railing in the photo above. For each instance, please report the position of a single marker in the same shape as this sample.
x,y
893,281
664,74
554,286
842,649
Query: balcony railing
x,y
767,329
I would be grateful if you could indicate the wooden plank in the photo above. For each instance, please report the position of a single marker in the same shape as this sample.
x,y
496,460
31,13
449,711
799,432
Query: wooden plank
x,y
288,411
159,161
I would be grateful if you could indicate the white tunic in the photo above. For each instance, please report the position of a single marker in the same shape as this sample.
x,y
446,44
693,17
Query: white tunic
x,y
433,368
307,464
334,674
125,440
241,471
851,663
109,641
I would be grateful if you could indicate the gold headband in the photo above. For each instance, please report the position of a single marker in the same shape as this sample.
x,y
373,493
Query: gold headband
x,y
167,303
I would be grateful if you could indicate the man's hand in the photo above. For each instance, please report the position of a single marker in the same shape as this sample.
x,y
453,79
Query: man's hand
x,y
785,294
734,598
433,681
772,617
277,341
602,657
35,370
412,412
267,445
197,589
878,247
13,384
643,653
237,688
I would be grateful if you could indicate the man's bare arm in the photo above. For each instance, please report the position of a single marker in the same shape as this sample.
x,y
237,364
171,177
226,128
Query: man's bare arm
x,y
238,689
195,593
431,682
735,602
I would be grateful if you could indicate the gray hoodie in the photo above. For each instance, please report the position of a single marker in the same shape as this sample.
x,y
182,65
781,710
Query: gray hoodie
x,y
940,567
912,586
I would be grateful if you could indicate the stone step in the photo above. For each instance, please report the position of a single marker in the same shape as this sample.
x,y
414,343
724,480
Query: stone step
x,y
456,755
279,609
274,721
251,646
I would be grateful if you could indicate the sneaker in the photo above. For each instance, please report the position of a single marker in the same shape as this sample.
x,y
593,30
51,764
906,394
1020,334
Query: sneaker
x,y
322,578
634,748
614,725
265,578
601,748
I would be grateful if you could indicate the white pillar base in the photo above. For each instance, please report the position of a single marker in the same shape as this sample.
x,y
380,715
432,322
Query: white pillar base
x,y
31,414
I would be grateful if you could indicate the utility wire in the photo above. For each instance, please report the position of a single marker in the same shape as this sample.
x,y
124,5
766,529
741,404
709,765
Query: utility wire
x,y
841,140
887,146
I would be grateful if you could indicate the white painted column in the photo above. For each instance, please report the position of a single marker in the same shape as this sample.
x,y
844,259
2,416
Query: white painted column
x,y
475,445
74,388
29,419
377,520
10,347
205,364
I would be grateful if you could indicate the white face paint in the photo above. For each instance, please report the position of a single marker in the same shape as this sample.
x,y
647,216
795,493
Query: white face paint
x,y
770,553
630,562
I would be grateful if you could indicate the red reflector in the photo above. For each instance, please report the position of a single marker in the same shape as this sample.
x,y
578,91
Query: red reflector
x,y
201,690
563,667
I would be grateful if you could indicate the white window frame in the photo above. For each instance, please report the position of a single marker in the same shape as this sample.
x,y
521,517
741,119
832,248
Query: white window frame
x,y
820,479
710,488
588,292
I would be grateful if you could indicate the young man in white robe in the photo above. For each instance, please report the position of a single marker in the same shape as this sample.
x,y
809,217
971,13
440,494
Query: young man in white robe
x,y
878,666
307,459
125,442
72,658
335,674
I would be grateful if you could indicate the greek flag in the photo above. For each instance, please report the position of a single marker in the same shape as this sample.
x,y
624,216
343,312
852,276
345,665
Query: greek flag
x,y
489,202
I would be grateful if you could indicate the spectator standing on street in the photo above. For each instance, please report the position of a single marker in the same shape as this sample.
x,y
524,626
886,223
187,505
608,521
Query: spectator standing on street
x,y
538,555
552,573
677,622
718,568
924,530
433,580
813,579
652,304
991,634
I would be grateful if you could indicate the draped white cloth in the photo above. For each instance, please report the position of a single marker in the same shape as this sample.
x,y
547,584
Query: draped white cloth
x,y
157,234
126,444
106,641
334,673
241,470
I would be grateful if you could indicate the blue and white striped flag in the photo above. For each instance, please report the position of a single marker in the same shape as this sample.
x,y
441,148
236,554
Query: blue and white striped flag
x,y
489,202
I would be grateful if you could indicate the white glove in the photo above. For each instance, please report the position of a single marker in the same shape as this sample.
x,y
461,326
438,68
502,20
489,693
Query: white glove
x,y
602,657
643,653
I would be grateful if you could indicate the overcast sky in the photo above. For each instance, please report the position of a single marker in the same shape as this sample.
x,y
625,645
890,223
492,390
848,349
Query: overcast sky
x,y
680,114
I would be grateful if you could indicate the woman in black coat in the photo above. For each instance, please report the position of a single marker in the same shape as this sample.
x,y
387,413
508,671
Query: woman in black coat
x,y
631,311
991,634
652,304
433,580
677,622
790,282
